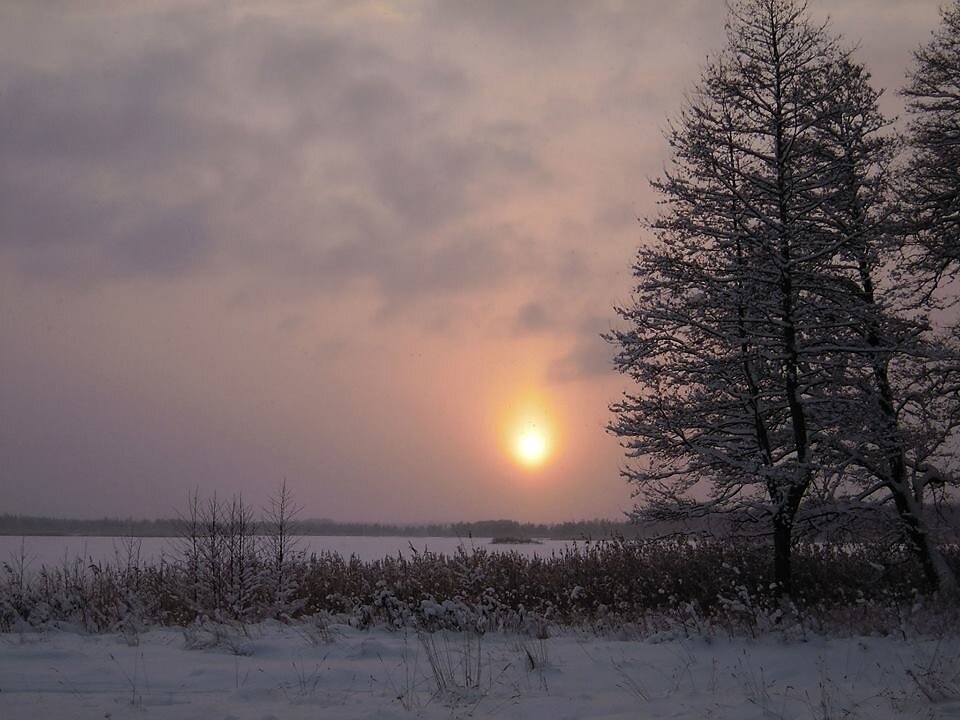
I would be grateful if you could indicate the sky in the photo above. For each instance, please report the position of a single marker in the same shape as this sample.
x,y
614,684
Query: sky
x,y
361,247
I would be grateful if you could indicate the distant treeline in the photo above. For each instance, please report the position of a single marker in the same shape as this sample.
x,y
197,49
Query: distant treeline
x,y
580,529
945,519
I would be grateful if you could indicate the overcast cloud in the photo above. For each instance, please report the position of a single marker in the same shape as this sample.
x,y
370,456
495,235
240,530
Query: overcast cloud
x,y
333,242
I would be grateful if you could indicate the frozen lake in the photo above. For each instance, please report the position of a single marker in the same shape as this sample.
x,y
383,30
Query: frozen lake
x,y
53,550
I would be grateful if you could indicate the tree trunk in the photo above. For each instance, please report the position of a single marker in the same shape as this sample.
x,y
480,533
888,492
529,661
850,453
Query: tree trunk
x,y
782,534
939,575
783,521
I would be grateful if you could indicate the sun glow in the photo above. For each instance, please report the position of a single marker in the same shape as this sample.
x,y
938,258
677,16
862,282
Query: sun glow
x,y
532,446
530,431
529,434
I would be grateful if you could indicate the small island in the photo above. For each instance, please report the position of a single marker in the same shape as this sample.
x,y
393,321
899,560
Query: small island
x,y
508,540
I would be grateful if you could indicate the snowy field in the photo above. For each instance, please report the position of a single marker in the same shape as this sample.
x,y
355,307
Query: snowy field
x,y
277,671
325,668
53,550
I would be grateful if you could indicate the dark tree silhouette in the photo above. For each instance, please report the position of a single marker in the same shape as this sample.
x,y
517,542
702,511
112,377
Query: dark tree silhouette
x,y
932,177
764,354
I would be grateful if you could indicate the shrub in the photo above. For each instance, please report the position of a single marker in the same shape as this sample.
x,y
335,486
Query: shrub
x,y
691,584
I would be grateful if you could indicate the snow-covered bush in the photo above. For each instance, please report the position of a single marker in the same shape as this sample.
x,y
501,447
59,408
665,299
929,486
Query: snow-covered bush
x,y
693,587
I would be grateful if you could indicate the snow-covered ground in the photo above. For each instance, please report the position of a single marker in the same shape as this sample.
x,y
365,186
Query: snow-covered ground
x,y
277,671
53,550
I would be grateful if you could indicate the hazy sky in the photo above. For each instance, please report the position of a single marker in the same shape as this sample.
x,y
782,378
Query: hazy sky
x,y
353,245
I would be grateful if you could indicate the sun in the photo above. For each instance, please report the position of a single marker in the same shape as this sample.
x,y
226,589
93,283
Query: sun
x,y
532,446
529,430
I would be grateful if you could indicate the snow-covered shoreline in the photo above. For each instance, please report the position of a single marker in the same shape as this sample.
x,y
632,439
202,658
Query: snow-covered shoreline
x,y
53,550
310,669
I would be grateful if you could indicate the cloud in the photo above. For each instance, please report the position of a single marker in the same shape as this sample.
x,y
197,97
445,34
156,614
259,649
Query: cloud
x,y
101,165
532,317
255,145
588,357
246,240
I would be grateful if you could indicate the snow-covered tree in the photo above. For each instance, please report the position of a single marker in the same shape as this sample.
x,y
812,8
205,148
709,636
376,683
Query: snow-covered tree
x,y
892,404
932,177
756,337
281,545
